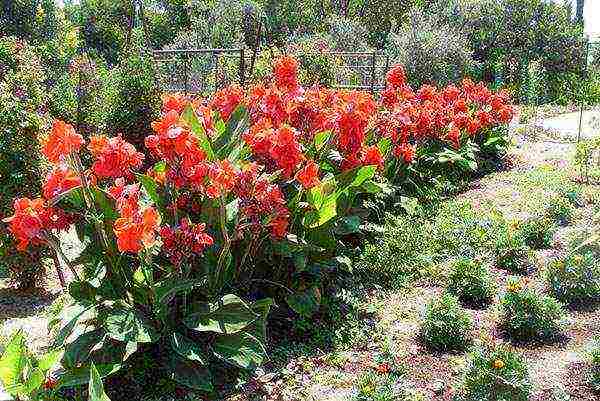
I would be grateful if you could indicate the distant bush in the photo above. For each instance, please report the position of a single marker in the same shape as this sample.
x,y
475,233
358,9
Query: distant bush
x,y
316,66
431,52
527,315
507,35
494,373
471,281
22,119
446,326
574,279
134,100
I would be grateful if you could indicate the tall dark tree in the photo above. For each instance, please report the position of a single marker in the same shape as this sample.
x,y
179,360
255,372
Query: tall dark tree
x,y
579,11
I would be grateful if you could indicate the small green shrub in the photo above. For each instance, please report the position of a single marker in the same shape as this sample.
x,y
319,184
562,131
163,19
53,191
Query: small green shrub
x,y
527,315
537,232
574,279
511,252
560,210
447,326
494,373
470,280
594,359
316,66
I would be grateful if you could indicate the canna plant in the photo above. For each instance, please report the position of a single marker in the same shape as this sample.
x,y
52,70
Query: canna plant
x,y
22,375
247,197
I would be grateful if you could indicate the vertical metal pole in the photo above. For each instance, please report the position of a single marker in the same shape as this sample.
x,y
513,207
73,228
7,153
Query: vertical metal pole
x,y
185,72
242,67
373,72
387,68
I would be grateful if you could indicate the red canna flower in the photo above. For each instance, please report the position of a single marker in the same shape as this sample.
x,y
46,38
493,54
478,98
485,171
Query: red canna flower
x,y
406,152
396,77
137,231
285,71
308,176
372,157
114,157
60,179
226,100
174,102
61,142
50,384
32,219
186,238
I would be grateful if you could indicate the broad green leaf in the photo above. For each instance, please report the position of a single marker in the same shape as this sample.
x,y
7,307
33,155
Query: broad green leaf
x,y
242,350
305,303
49,359
327,211
165,290
82,291
229,315
78,376
13,362
190,374
321,138
198,130
151,187
232,137
355,177
125,323
105,203
187,348
95,387
34,381
79,350
384,145
258,328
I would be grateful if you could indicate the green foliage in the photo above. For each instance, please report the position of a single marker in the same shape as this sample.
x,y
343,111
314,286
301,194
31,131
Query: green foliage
x,y
511,252
21,122
21,373
494,373
574,279
446,326
537,232
507,35
32,20
316,66
134,99
594,360
432,52
527,315
560,210
104,27
471,281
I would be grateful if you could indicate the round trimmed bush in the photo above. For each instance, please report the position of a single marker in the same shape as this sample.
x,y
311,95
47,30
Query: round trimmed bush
x,y
471,281
447,326
511,252
537,232
574,279
528,315
494,373
560,210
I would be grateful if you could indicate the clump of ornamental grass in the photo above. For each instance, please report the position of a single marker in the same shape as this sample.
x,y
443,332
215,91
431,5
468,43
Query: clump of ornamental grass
x,y
446,326
471,281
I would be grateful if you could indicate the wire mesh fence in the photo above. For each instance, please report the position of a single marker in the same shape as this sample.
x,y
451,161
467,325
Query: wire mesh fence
x,y
200,71
203,71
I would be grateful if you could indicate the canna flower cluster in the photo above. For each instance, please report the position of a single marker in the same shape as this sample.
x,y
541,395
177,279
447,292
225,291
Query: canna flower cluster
x,y
238,167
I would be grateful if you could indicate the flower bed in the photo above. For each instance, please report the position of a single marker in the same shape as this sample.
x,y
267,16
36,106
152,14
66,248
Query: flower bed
x,y
248,195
